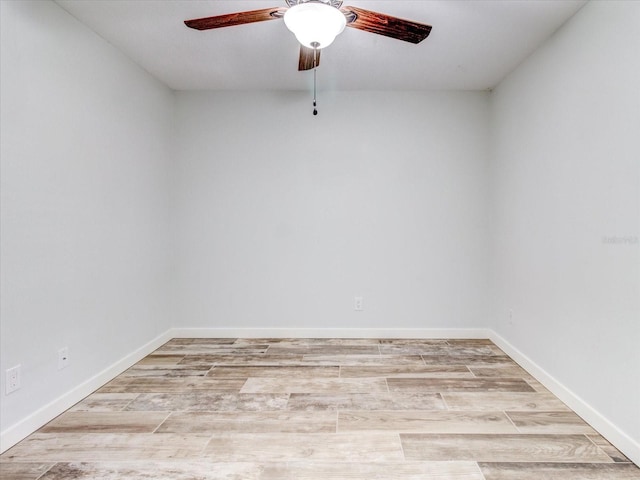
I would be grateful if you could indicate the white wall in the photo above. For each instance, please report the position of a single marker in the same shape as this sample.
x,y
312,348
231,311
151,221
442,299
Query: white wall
x,y
565,179
85,136
283,217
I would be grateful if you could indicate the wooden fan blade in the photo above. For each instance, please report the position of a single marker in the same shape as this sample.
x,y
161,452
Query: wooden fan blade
x,y
238,18
306,58
386,25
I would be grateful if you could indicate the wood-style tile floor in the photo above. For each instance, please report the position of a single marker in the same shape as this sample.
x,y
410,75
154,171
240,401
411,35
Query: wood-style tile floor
x,y
280,409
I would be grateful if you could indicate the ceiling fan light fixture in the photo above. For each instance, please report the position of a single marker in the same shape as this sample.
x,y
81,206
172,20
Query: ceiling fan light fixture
x,y
315,24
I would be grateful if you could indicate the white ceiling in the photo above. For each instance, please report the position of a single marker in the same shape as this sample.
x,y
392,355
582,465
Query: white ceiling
x,y
473,44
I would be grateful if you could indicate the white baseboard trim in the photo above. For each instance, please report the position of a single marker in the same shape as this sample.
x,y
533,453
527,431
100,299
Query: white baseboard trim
x,y
28,425
330,333
611,432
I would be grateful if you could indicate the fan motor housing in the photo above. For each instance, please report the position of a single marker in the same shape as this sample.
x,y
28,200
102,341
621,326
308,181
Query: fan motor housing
x,y
333,3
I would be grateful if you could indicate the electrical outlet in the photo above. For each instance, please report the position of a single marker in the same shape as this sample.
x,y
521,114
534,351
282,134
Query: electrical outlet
x,y
13,379
510,317
63,358
357,304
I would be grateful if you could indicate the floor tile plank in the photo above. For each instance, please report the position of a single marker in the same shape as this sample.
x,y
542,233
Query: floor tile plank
x,y
559,471
317,385
469,360
549,422
341,447
211,349
458,385
23,471
471,342
517,401
365,401
101,422
438,350
209,402
166,371
404,371
200,341
502,448
607,448
244,360
327,349
72,447
425,421
249,422
372,471
160,359
290,342
172,385
354,360
274,371
154,470
509,371
104,402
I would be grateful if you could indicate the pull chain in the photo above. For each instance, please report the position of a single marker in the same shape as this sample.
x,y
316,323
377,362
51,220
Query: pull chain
x,y
315,66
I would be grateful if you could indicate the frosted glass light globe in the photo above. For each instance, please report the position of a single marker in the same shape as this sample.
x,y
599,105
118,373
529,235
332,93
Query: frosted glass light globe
x,y
315,24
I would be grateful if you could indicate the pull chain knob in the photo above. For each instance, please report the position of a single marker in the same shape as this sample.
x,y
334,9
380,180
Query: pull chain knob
x,y
315,46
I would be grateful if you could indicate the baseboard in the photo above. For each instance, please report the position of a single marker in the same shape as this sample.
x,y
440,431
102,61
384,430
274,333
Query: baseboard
x,y
45,414
611,432
330,333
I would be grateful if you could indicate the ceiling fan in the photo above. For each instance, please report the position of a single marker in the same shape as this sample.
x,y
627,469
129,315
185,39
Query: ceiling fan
x,y
317,22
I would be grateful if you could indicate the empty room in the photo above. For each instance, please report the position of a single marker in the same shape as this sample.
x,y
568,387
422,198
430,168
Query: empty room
x,y
300,239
